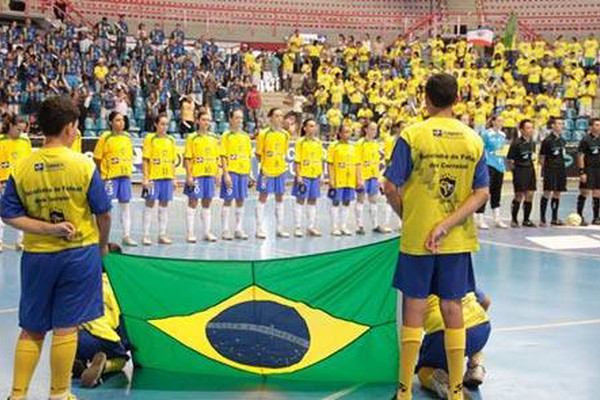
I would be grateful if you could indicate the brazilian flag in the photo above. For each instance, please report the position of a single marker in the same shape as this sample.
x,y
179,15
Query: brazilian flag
x,y
325,317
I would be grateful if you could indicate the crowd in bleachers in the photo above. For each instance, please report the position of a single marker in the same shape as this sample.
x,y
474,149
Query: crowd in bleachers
x,y
143,73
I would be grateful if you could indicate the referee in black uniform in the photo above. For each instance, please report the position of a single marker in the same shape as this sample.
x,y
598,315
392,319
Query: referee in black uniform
x,y
554,172
588,161
521,154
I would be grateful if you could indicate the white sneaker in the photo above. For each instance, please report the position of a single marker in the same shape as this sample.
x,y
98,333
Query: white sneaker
x,y
260,234
146,241
191,238
382,229
500,224
474,376
241,235
346,231
440,383
210,237
164,240
336,232
480,222
282,234
314,232
360,230
298,232
19,246
1,247
128,241
226,235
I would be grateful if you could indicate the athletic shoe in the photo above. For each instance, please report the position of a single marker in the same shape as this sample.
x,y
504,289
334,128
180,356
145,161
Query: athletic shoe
x,y
440,385
314,232
146,241
298,232
128,241
500,224
78,368
557,222
282,234
360,230
596,221
191,239
543,224
164,240
583,222
529,224
383,229
210,237
91,377
19,246
515,224
1,247
483,225
241,235
336,232
346,231
226,235
260,234
474,376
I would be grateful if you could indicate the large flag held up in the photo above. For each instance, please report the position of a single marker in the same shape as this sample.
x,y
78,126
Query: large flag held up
x,y
322,317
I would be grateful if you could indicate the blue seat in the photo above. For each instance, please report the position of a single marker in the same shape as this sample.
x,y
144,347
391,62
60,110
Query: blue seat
x,y
89,133
89,124
173,127
582,124
569,125
578,135
251,126
219,115
570,113
223,126
217,105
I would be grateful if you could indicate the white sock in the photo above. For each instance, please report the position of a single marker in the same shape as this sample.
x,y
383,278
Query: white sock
x,y
260,215
297,215
1,231
163,220
20,235
345,215
206,220
387,214
335,217
125,219
312,215
147,220
358,208
190,217
279,215
239,218
225,212
373,212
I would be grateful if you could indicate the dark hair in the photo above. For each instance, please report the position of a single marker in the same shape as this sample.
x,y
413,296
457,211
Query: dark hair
x,y
233,111
202,113
159,116
441,89
304,123
594,120
553,120
114,115
523,122
272,111
55,113
10,119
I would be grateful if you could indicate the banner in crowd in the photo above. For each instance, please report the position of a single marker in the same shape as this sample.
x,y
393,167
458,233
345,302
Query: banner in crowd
x,y
482,37
322,317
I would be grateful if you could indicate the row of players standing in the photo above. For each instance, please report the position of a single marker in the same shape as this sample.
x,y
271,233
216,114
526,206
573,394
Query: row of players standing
x,y
353,168
521,158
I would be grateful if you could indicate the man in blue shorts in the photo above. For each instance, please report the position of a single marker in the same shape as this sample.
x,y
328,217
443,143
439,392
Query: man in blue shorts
x,y
57,198
436,179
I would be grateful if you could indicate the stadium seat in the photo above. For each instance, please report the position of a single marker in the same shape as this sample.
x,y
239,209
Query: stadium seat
x,y
89,124
578,135
217,105
569,125
89,133
251,126
582,124
173,127
571,113
219,115
223,126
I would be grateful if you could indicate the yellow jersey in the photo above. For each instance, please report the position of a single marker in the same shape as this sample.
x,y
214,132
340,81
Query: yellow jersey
x,y
445,154
203,151
52,185
473,313
106,326
309,156
236,148
272,147
11,151
161,153
344,158
370,157
388,147
115,153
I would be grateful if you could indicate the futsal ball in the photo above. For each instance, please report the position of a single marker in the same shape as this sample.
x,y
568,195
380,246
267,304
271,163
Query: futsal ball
x,y
574,219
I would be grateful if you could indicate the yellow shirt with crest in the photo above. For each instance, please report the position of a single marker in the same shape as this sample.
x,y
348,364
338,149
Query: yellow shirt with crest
x,y
161,153
344,158
236,148
370,157
309,156
115,153
203,151
11,151
272,147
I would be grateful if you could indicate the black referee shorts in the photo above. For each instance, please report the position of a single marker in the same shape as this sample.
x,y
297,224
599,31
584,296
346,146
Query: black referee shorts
x,y
555,180
524,179
593,179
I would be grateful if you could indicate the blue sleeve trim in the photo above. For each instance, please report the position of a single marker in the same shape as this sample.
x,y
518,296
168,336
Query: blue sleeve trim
x,y
400,166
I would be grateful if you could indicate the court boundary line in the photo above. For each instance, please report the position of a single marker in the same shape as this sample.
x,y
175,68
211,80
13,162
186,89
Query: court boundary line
x,y
344,392
548,326
541,249
9,310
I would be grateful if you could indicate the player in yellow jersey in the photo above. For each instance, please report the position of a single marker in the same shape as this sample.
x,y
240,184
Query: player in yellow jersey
x,y
344,167
114,157
437,178
236,159
57,197
202,162
13,147
371,155
271,149
308,170
159,155
432,366
388,148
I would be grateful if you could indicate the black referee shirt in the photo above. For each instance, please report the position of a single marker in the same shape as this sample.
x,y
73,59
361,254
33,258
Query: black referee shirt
x,y
553,150
589,146
521,152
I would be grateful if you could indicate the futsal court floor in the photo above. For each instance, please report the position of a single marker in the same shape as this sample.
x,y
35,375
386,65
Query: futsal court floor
x,y
545,290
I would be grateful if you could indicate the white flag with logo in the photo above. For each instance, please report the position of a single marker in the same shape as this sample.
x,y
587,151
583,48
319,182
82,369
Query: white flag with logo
x,y
483,37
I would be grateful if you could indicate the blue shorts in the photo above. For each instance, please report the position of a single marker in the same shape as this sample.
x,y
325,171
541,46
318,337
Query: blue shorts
x,y
371,187
161,190
313,189
60,290
271,184
448,276
88,345
239,187
344,195
119,189
204,188
433,353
